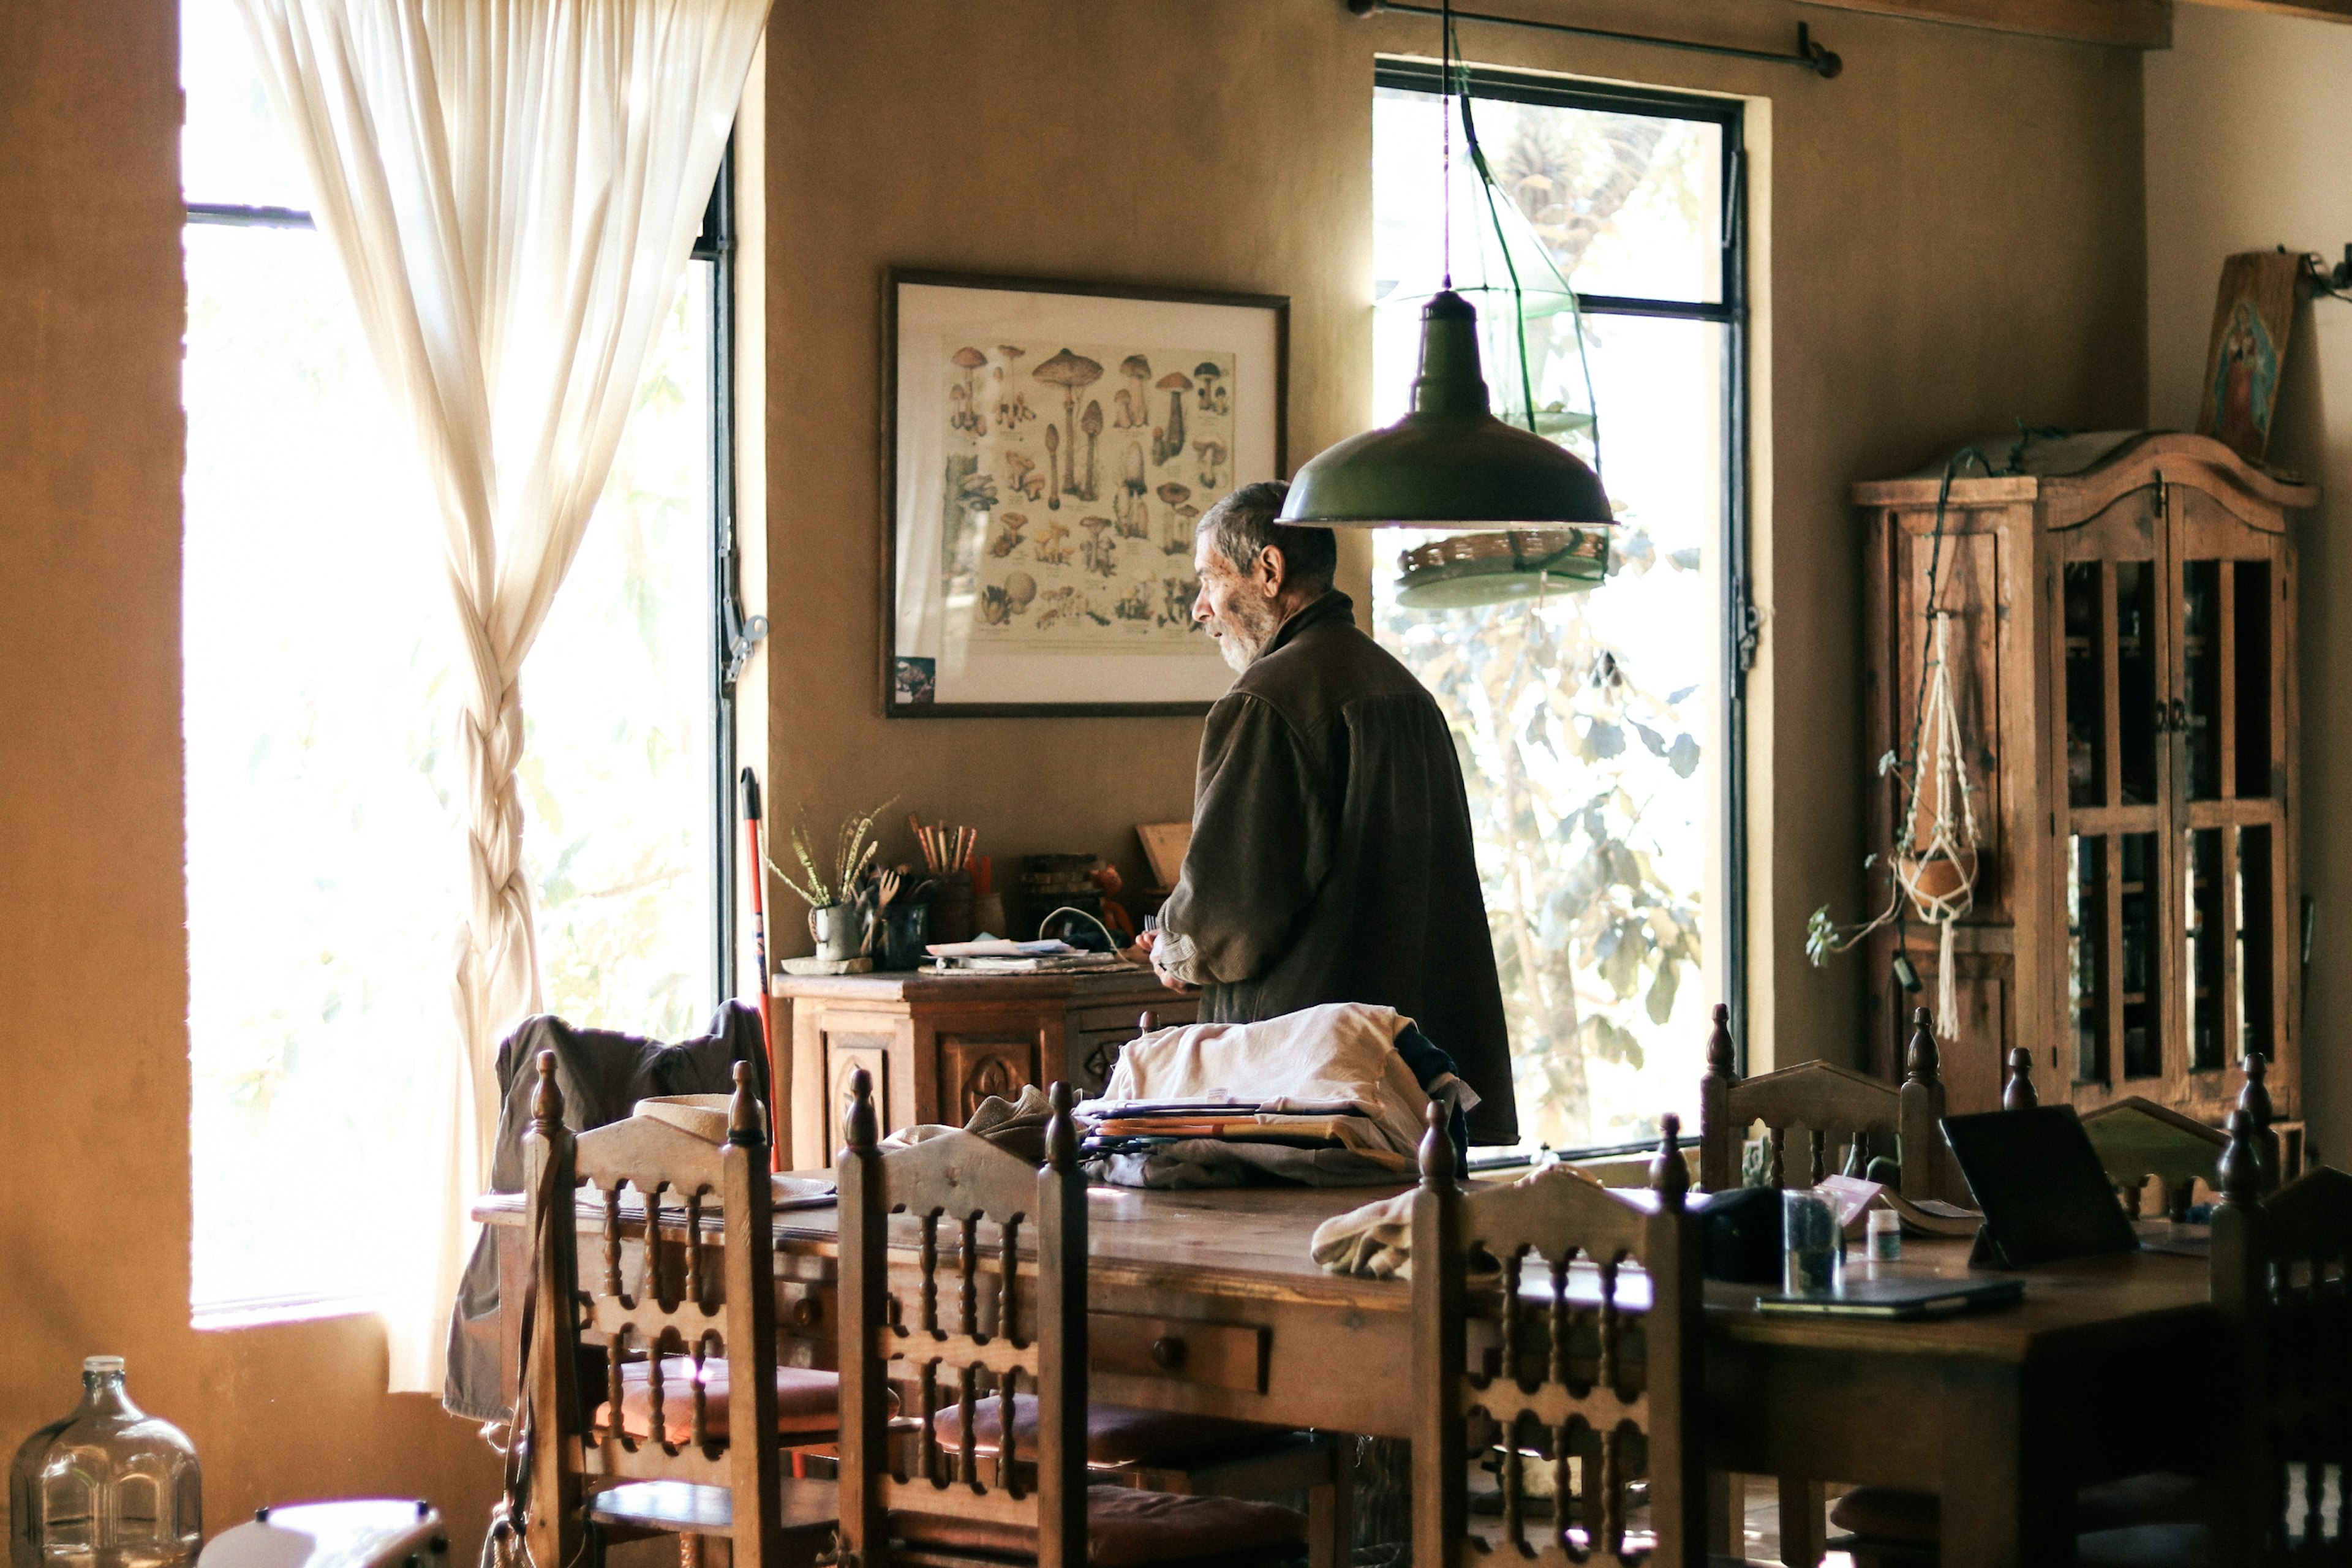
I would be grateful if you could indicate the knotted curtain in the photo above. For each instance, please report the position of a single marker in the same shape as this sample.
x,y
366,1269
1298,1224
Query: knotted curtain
x,y
513,188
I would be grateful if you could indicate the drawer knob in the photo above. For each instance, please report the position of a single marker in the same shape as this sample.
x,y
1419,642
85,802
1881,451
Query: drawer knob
x,y
807,1313
1168,1352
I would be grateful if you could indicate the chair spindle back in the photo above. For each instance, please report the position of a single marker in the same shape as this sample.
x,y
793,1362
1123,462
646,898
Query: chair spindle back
x,y
1830,1103
2283,1281
1600,1375
999,1324
654,1293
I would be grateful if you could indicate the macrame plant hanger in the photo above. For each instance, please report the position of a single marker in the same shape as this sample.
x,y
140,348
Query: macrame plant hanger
x,y
1940,875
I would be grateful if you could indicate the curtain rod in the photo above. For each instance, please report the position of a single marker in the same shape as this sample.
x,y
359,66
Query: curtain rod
x,y
1813,56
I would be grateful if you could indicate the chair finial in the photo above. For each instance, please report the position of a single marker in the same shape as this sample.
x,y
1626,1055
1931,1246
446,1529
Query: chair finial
x,y
1145,1022
1922,1064
858,1127
1436,1147
1719,1056
547,1099
2239,1170
2254,1099
1669,1172
747,1119
1062,1132
2019,1095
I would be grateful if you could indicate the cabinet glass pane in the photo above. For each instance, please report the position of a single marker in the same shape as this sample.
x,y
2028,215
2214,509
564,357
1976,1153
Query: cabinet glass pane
x,y
2201,671
2086,671
2255,950
2141,960
2087,996
2201,968
2135,678
2251,639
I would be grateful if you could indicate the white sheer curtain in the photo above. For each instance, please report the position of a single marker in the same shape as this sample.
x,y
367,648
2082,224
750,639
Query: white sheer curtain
x,y
513,187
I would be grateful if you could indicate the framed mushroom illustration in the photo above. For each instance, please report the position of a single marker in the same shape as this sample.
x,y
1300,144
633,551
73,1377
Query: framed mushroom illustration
x,y
1049,447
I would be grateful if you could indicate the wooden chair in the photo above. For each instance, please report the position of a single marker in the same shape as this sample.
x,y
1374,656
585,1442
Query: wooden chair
x,y
1829,1102
995,1311
2138,1141
1562,1368
687,1435
2282,1272
1201,1455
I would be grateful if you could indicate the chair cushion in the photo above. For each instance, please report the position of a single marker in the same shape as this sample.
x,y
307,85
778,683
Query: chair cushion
x,y
2158,1498
1116,1434
807,1401
1126,1527
2143,1546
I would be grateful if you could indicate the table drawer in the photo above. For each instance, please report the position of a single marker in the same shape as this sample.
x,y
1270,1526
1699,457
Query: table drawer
x,y
1187,1350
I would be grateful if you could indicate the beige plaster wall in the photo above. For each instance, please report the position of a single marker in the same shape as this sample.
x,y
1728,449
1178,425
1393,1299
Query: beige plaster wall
x,y
93,960
2246,150
1954,239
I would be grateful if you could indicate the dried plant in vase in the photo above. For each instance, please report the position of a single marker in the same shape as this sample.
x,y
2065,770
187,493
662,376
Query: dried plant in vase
x,y
854,851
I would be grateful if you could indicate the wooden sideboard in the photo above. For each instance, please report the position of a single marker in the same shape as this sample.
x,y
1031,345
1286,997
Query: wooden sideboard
x,y
940,1043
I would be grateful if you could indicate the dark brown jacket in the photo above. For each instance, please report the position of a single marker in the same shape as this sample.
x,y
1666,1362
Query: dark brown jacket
x,y
1331,856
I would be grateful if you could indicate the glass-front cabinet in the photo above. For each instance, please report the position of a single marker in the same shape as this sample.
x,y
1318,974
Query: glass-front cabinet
x,y
2145,734
2170,668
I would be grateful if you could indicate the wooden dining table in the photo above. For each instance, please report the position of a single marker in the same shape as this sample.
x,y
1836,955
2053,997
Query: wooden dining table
x,y
1208,1301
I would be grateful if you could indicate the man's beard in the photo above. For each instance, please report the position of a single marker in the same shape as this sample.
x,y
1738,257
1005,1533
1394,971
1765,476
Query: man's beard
x,y
1244,632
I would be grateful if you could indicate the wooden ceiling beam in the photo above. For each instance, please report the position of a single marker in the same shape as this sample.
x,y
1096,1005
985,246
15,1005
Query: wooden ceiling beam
x,y
2312,10
2124,23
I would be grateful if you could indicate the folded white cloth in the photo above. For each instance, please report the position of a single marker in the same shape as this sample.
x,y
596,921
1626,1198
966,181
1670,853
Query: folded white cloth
x,y
1338,1057
1376,1239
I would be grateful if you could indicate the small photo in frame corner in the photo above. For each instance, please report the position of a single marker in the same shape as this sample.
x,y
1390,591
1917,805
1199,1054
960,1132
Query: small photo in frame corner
x,y
1048,447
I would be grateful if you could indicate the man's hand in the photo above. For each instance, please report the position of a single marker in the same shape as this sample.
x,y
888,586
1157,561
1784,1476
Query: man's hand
x,y
1145,945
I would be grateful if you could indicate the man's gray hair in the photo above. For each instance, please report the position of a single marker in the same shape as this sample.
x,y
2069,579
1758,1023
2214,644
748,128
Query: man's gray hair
x,y
1243,525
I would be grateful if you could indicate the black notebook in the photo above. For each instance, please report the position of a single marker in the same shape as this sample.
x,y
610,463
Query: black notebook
x,y
1911,1298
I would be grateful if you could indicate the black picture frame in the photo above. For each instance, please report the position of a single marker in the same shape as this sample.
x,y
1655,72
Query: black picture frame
x,y
903,672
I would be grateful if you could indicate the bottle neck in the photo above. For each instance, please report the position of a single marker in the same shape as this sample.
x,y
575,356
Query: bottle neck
x,y
102,1392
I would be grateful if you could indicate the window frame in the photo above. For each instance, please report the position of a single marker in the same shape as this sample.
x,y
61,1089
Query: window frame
x,y
1729,310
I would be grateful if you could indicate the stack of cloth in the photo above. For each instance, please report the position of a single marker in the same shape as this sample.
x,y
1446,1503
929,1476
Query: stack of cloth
x,y
1329,1095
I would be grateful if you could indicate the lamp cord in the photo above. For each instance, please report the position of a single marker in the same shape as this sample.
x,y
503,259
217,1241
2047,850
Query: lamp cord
x,y
1445,122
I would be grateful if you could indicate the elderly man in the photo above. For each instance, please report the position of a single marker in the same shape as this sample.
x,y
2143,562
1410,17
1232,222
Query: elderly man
x,y
1331,857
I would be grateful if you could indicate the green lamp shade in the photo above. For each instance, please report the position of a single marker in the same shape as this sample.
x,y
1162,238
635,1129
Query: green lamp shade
x,y
1450,463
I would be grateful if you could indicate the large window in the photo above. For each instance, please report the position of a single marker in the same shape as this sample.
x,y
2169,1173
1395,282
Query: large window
x,y
1599,730
326,873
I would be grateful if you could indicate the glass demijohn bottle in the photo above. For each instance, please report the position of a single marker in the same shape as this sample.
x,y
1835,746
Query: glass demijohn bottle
x,y
108,1487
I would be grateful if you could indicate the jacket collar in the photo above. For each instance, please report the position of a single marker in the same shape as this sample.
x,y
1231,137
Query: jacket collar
x,y
1333,606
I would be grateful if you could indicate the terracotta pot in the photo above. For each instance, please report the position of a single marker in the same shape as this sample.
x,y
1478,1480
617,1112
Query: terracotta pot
x,y
1936,877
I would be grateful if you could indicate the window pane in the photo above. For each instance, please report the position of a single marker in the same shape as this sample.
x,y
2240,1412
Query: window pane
x,y
1589,727
616,771
324,879
1629,204
230,149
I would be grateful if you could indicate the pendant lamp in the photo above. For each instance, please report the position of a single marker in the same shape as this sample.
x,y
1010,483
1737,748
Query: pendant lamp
x,y
1449,464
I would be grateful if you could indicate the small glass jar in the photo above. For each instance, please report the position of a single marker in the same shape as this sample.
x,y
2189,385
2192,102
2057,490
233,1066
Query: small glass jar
x,y
108,1486
1886,1236
1813,1247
